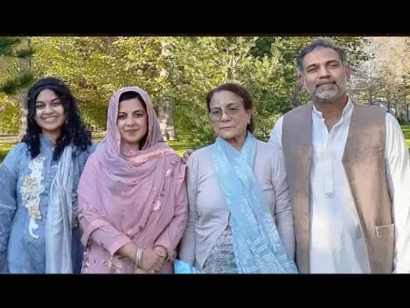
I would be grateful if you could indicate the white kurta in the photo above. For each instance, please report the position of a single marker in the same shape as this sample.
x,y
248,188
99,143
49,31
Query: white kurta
x,y
336,241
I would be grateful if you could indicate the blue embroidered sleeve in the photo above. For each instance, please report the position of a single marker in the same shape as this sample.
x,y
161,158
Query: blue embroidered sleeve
x,y
8,183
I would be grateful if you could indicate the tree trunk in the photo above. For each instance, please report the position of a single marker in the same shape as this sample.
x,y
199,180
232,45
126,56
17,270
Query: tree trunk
x,y
24,66
166,119
23,113
165,107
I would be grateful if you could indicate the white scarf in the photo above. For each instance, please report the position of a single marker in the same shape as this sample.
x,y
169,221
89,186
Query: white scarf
x,y
59,216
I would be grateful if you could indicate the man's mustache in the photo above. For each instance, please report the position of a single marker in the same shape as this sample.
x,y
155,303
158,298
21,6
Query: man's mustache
x,y
321,82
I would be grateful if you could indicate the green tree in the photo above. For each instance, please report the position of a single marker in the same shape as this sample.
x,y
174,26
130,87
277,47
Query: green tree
x,y
20,50
177,72
94,67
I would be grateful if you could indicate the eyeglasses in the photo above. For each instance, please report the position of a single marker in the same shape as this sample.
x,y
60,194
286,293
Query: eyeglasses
x,y
216,113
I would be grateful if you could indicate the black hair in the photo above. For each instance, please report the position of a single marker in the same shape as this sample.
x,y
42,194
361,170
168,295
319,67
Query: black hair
x,y
73,130
130,95
319,42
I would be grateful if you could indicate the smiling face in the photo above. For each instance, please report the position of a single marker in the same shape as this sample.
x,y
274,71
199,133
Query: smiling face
x,y
324,75
49,113
132,121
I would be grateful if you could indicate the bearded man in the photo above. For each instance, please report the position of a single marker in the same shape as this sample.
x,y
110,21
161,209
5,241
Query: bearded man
x,y
348,172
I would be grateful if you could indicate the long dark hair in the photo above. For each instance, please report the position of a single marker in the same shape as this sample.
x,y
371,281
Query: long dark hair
x,y
73,130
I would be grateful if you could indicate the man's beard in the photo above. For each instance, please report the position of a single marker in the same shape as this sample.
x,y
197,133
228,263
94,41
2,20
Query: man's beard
x,y
327,93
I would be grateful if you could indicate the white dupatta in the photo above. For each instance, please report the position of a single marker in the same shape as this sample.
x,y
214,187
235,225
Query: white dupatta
x,y
59,216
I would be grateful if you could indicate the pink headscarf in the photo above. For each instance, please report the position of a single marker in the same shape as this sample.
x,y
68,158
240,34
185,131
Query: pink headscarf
x,y
133,191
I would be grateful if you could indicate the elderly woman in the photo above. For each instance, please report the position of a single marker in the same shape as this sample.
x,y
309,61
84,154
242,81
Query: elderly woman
x,y
240,218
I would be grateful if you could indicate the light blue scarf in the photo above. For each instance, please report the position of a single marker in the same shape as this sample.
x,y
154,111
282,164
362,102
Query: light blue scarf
x,y
257,245
181,267
59,216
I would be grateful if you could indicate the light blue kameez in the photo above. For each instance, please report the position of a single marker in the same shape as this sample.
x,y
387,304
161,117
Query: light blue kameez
x,y
24,194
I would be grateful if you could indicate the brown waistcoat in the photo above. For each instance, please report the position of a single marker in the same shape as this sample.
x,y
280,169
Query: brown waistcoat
x,y
363,161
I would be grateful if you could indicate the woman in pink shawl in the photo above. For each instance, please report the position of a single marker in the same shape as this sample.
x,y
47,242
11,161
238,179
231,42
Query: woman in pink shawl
x,y
132,194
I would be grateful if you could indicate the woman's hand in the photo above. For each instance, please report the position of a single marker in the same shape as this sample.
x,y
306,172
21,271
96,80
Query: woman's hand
x,y
161,251
140,271
151,260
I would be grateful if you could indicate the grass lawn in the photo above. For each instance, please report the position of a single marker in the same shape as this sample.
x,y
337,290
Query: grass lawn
x,y
183,143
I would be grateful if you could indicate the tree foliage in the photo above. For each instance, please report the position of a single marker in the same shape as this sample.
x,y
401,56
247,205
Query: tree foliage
x,y
13,47
180,70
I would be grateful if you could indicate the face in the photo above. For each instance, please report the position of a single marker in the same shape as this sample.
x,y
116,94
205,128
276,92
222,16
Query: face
x,y
49,114
132,121
324,76
228,116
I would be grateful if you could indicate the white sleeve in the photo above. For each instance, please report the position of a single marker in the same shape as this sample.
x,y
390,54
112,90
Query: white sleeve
x,y
276,133
398,180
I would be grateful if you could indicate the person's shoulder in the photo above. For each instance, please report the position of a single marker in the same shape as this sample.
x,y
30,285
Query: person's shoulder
x,y
391,119
392,124
372,115
16,155
19,147
84,154
91,148
370,110
270,154
200,153
293,117
298,109
172,153
278,124
264,145
267,148
18,150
